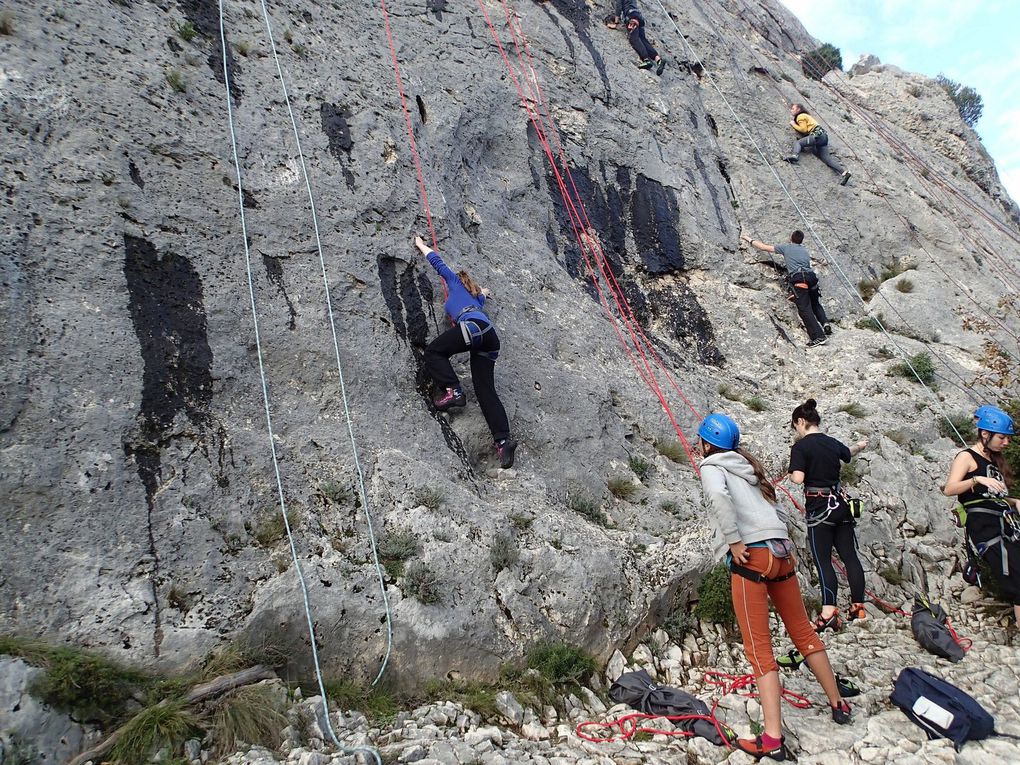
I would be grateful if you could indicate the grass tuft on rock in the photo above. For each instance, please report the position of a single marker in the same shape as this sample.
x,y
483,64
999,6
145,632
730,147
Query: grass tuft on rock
x,y
587,506
175,80
854,409
430,497
374,702
892,575
424,583
187,31
641,467
622,487
250,716
670,449
270,529
163,726
503,552
917,367
756,403
561,663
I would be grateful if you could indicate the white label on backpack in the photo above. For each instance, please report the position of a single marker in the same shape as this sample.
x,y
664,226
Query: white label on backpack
x,y
932,712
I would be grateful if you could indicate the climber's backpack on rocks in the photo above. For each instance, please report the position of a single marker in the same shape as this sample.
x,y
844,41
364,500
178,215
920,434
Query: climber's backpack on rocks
x,y
928,623
942,709
638,690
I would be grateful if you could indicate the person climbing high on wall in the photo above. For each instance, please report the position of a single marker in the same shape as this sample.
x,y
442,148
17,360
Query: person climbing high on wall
x,y
635,23
813,139
803,283
472,331
979,478
755,544
815,462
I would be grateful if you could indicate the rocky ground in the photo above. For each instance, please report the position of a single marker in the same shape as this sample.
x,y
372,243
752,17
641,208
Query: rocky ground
x,y
871,653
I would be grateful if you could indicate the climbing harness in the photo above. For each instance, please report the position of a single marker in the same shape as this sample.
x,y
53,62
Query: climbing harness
x,y
1009,532
265,387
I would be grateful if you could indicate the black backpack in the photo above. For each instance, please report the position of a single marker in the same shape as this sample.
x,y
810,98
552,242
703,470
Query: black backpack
x,y
942,709
928,623
638,690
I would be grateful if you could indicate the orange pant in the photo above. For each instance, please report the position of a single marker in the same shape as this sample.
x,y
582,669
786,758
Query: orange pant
x,y
751,605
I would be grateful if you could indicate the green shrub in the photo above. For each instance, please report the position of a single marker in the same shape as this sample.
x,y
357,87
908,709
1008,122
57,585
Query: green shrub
x,y
968,101
252,716
503,552
375,703
670,449
88,685
476,696
822,60
587,506
336,492
560,663
520,521
163,726
951,424
187,31
680,624
854,409
919,366
756,403
1012,452
16,751
641,467
270,528
176,81
622,487
430,497
424,583
398,545
715,603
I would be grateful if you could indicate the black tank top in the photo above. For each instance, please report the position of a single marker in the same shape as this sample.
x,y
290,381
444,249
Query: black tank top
x,y
982,526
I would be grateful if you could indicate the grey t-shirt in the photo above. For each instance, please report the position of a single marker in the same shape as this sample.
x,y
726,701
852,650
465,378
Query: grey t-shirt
x,y
795,256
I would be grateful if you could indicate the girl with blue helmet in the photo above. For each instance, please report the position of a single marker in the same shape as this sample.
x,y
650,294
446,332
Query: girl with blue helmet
x,y
472,332
979,478
755,543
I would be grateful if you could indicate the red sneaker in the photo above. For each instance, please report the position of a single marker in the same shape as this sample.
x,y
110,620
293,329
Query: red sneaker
x,y
757,749
451,398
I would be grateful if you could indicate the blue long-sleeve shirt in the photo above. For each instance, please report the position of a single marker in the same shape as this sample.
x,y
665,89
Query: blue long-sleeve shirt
x,y
460,304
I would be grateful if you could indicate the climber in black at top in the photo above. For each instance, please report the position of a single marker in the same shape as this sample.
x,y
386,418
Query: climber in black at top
x,y
472,331
635,23
980,478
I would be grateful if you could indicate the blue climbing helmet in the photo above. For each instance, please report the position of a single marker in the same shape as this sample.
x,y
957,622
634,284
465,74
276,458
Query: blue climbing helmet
x,y
995,420
984,409
720,430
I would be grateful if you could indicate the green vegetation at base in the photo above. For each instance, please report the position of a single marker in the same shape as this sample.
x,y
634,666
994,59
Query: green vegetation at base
x,y
715,603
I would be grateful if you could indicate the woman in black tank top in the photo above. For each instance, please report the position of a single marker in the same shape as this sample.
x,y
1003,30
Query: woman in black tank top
x,y
978,478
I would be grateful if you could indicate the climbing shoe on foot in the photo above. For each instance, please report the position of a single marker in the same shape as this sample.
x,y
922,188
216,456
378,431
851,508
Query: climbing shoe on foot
x,y
792,159
759,748
660,66
792,660
505,451
817,341
841,713
833,623
844,178
451,397
847,687
857,612
648,63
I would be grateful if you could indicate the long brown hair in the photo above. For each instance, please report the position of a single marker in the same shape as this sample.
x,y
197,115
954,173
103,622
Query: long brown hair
x,y
764,482
996,458
469,284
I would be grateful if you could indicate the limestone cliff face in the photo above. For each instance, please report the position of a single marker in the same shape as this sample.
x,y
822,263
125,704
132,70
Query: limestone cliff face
x,y
137,481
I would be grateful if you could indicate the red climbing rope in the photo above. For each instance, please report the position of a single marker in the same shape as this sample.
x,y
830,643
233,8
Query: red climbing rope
x,y
412,143
739,683
583,232
628,727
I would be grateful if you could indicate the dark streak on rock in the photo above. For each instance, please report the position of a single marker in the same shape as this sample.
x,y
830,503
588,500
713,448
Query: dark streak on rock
x,y
205,18
337,129
436,7
712,190
578,13
274,270
168,315
136,176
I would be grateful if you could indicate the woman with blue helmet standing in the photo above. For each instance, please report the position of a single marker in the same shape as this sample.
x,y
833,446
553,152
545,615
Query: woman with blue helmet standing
x,y
472,331
979,478
755,543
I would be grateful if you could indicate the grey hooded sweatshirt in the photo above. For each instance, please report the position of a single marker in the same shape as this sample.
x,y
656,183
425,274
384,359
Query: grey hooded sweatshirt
x,y
739,511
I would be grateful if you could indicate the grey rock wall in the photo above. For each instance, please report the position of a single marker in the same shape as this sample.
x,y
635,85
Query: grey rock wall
x,y
136,472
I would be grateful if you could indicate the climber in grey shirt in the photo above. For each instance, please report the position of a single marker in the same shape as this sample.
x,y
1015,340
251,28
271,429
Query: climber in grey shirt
x,y
803,283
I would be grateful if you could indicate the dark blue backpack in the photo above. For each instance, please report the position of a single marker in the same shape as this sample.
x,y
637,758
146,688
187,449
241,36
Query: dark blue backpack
x,y
942,709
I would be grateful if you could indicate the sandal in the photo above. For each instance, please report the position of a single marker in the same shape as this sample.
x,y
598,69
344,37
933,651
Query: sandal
x,y
857,612
833,623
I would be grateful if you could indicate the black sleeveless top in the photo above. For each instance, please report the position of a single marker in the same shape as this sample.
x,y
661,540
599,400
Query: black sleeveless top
x,y
982,526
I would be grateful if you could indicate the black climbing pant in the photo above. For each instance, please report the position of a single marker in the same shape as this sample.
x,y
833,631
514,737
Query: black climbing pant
x,y
818,145
822,538
638,41
483,366
808,303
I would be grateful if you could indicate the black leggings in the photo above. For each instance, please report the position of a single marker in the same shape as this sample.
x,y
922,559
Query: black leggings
x,y
437,361
821,539
638,41
808,303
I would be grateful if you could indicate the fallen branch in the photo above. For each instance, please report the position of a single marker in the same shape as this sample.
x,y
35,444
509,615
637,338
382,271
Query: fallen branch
x,y
203,692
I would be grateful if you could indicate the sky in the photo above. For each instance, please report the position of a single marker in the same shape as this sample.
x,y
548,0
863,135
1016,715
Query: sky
x,y
971,41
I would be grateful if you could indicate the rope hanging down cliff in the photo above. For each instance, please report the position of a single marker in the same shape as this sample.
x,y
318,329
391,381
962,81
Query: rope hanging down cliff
x,y
265,400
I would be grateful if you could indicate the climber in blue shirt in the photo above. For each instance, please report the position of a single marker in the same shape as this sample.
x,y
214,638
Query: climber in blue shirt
x,y
472,331
635,23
